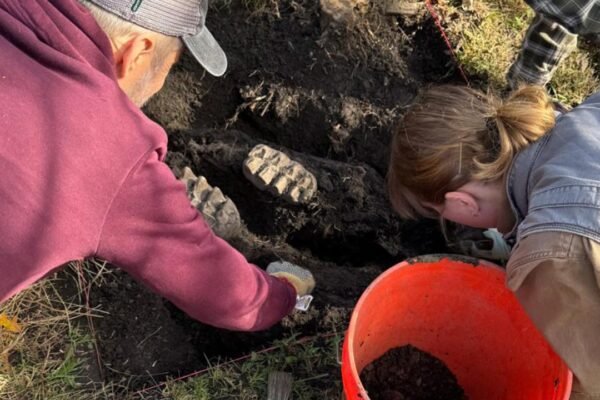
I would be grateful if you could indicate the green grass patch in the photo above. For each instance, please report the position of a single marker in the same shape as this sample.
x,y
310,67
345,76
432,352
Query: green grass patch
x,y
488,39
313,364
575,79
42,362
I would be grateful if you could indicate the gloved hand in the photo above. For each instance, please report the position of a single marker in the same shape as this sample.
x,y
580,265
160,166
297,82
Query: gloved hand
x,y
501,250
300,278
475,242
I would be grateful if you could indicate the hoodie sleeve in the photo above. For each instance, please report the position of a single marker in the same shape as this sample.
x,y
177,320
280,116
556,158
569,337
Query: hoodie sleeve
x,y
152,232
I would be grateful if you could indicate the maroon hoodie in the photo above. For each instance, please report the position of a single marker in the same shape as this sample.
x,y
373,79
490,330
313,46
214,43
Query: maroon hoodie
x,y
82,175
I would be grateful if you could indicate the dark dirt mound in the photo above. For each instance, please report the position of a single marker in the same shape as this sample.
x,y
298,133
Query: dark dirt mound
x,y
327,91
325,95
407,373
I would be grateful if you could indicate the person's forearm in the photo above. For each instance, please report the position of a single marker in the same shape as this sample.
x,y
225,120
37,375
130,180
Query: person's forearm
x,y
164,242
254,304
221,288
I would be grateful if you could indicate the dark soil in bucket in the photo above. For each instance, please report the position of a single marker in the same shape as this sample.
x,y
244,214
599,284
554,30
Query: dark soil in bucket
x,y
407,373
327,96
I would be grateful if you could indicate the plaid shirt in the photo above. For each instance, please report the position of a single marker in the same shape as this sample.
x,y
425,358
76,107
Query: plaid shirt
x,y
552,36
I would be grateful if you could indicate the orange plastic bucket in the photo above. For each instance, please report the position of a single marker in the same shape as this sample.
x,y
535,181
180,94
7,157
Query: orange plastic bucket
x,y
459,311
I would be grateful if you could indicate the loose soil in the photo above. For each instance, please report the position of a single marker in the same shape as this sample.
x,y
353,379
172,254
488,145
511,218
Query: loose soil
x,y
407,373
326,95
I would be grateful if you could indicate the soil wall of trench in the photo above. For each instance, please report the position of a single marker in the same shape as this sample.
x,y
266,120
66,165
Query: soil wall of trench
x,y
327,94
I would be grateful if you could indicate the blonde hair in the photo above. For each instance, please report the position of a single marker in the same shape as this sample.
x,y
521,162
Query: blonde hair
x,y
115,27
453,135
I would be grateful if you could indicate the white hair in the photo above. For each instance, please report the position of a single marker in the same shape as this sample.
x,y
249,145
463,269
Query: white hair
x,y
115,27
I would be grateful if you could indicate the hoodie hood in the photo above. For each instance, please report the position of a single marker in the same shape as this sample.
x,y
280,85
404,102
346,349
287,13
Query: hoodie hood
x,y
59,34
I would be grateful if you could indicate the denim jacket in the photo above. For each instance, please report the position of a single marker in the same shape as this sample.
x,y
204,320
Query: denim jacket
x,y
554,184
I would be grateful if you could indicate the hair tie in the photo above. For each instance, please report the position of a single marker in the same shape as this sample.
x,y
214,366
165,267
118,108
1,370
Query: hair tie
x,y
493,133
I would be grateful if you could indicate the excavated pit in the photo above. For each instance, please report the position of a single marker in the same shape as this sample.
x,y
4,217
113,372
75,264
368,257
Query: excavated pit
x,y
325,95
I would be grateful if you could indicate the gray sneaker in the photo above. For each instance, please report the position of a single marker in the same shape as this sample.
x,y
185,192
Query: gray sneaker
x,y
218,210
271,170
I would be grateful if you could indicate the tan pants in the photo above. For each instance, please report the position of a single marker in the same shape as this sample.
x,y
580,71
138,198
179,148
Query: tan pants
x,y
556,277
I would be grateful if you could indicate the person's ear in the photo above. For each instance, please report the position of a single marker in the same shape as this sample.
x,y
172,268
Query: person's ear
x,y
134,55
463,202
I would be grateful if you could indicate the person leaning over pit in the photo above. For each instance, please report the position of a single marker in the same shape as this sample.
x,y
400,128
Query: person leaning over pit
x,y
82,167
471,158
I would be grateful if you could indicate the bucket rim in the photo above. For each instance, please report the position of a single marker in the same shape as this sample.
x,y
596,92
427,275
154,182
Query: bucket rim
x,y
423,259
349,348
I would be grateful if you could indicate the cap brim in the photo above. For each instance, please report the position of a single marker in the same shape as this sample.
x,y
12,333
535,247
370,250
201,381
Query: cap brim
x,y
207,51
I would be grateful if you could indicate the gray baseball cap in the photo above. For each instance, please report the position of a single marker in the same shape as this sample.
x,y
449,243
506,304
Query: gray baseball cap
x,y
180,18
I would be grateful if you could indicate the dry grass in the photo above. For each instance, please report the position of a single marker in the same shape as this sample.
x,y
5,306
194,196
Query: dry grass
x,y
44,361
488,39
313,364
575,79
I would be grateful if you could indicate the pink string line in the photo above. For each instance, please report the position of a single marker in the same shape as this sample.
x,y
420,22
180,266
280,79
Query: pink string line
x,y
236,360
438,23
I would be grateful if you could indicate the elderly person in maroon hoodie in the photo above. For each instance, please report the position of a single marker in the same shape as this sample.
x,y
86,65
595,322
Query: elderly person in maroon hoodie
x,y
82,167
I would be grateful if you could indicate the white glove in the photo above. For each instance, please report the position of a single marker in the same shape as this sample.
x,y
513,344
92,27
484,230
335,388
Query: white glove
x,y
300,278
